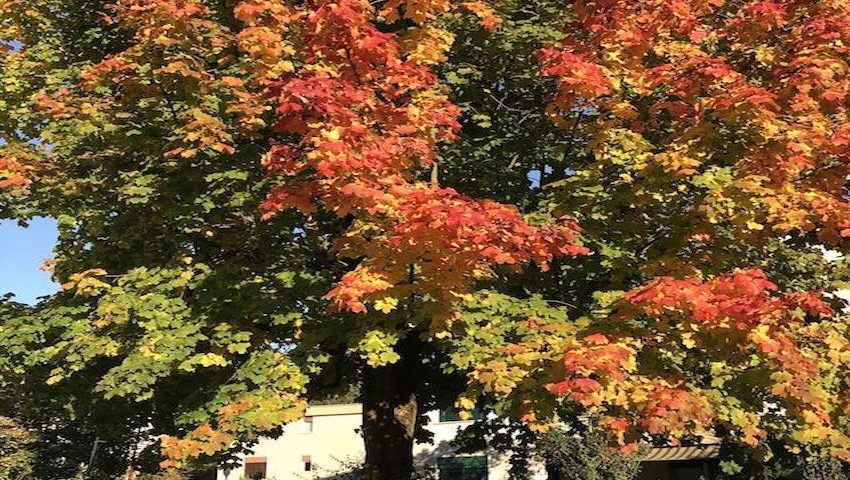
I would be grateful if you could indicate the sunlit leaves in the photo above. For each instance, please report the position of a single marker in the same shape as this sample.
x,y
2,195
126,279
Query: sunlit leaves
x,y
682,71
20,164
265,392
738,326
369,116
507,347
377,348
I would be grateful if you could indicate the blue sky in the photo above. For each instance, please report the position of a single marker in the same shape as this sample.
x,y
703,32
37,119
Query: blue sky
x,y
22,251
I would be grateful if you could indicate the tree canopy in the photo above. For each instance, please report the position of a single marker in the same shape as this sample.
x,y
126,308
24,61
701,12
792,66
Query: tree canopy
x,y
609,211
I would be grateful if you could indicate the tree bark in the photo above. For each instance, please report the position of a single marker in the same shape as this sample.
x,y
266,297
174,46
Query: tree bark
x,y
389,414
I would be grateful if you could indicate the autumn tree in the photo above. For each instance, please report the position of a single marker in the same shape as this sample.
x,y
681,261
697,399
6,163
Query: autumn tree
x,y
559,211
704,153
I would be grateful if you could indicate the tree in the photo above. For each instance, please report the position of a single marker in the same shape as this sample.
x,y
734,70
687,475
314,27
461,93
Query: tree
x,y
709,131
263,203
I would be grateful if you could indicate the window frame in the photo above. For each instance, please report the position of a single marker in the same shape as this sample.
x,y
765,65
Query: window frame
x,y
252,463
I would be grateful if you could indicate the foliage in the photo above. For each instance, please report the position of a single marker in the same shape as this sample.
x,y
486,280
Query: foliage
x,y
752,463
766,104
587,456
16,450
68,417
696,146
823,469
261,200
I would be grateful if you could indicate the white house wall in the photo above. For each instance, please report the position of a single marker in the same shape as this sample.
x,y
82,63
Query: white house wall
x,y
333,444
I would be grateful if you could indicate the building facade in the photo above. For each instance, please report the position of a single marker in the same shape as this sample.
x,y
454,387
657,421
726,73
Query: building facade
x,y
327,445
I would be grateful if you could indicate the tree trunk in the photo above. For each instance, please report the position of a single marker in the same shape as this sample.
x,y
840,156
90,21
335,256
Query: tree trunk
x,y
390,412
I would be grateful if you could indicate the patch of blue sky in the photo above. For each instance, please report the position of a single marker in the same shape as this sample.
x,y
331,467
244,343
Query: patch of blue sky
x,y
23,250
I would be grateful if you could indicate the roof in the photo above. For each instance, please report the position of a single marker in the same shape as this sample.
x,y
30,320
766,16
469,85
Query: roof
x,y
670,454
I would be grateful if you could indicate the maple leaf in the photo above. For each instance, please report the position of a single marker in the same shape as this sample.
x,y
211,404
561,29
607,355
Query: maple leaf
x,y
386,304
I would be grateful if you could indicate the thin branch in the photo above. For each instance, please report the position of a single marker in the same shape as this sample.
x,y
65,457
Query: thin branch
x,y
561,303
514,109
573,132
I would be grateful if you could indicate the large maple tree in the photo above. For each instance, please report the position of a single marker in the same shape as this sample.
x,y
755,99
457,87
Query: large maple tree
x,y
565,212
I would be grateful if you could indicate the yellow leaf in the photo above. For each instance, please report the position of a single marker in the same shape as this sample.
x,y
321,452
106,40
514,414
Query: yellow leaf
x,y
386,304
331,134
211,359
465,403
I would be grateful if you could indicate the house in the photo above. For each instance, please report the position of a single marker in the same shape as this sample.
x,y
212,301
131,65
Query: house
x,y
326,444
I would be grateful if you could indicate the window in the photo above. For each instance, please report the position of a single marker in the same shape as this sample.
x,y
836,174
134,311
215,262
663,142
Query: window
x,y
307,425
693,470
255,468
452,414
308,463
463,468
678,470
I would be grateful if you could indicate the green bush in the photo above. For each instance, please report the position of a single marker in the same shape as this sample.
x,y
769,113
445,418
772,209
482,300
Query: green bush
x,y
586,457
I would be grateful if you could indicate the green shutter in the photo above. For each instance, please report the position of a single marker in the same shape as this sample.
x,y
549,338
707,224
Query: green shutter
x,y
463,468
452,414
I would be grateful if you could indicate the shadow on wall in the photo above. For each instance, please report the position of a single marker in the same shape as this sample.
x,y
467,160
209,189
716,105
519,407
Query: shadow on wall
x,y
348,469
356,472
